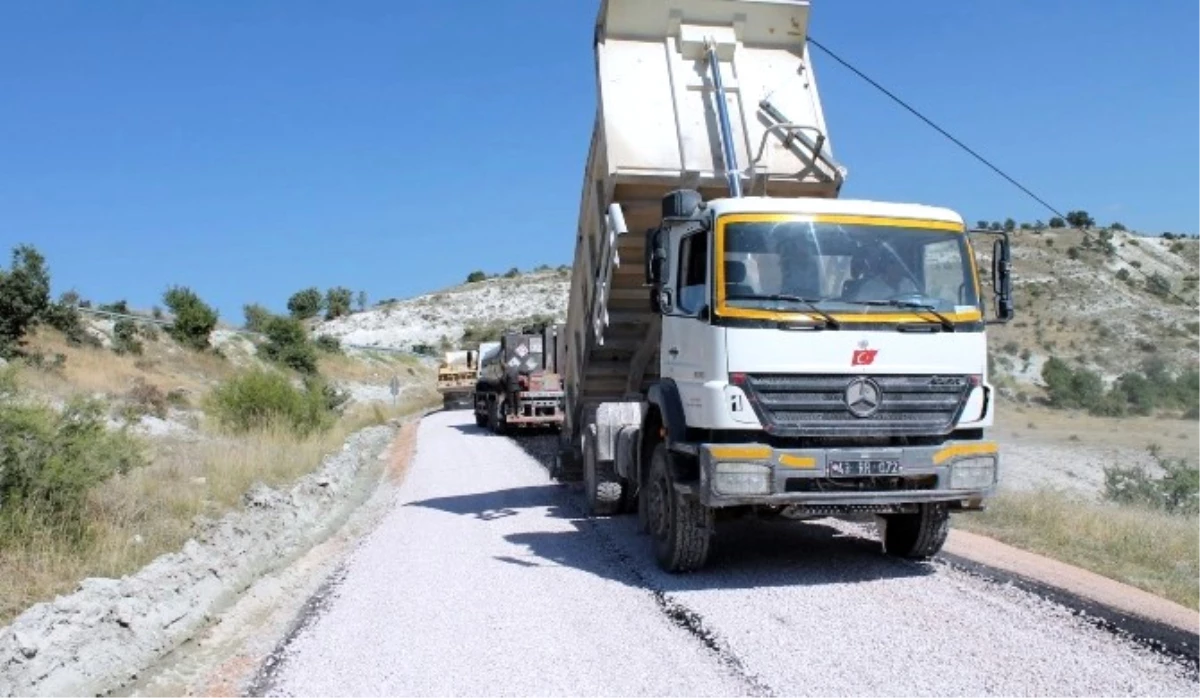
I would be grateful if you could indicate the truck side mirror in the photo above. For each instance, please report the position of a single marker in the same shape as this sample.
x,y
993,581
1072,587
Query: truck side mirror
x,y
1002,279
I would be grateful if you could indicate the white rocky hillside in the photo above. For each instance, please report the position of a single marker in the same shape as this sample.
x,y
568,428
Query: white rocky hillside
x,y
435,318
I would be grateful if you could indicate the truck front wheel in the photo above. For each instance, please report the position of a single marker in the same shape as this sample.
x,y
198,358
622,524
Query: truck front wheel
x,y
680,527
917,536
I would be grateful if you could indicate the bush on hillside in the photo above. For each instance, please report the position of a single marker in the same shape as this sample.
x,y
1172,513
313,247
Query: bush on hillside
x,y
125,338
194,320
512,273
337,302
1175,491
329,344
362,301
1117,225
24,297
1151,388
1057,222
257,317
64,317
475,277
1158,285
287,344
1080,219
260,399
305,304
51,460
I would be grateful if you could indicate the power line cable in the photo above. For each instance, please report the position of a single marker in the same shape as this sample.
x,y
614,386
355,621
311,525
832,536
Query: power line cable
x,y
981,159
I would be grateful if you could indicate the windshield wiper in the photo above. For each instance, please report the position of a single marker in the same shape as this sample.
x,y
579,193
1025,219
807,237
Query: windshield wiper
x,y
810,303
944,321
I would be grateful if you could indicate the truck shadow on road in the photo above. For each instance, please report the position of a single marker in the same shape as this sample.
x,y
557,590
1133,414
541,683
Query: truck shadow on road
x,y
745,554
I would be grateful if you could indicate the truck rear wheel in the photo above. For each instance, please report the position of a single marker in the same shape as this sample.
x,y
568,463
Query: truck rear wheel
x,y
599,482
917,536
481,420
680,526
495,422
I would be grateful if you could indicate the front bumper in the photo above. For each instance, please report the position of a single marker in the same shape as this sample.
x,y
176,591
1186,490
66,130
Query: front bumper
x,y
963,473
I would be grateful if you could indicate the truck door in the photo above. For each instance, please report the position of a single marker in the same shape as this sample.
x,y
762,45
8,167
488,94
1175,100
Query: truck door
x,y
686,344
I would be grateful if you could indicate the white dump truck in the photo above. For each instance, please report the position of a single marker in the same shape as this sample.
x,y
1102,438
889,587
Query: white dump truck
x,y
741,340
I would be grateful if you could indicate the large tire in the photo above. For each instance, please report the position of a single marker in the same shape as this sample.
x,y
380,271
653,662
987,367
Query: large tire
x,y
680,527
481,420
494,424
917,536
600,483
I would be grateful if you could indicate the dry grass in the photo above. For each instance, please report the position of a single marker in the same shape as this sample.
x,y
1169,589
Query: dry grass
x,y
150,511
372,367
1154,551
91,370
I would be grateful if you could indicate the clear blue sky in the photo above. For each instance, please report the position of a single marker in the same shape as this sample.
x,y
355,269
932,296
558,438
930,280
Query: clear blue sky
x,y
248,149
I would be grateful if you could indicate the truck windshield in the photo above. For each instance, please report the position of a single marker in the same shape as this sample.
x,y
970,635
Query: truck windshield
x,y
844,267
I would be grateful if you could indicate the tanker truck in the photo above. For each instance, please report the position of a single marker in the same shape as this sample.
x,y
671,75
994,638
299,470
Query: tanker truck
x,y
519,385
741,340
456,378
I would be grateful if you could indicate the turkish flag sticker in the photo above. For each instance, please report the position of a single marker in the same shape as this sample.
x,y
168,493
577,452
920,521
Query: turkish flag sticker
x,y
863,357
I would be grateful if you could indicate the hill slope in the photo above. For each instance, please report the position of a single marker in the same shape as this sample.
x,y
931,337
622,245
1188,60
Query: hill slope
x,y
441,318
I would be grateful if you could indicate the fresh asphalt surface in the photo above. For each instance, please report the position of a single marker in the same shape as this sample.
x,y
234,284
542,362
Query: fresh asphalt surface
x,y
487,579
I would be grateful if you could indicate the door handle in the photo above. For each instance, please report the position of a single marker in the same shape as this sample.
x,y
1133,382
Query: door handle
x,y
673,351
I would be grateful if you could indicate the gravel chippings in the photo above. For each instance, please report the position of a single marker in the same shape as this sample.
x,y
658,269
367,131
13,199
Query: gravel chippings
x,y
99,637
487,580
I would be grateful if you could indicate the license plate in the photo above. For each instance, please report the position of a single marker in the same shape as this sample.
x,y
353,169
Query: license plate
x,y
854,468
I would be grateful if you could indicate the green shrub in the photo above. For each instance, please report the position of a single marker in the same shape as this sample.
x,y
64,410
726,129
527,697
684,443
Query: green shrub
x,y
125,339
64,317
337,302
287,344
1176,491
24,297
194,319
49,461
257,317
1158,285
305,304
476,276
512,273
144,399
260,399
328,343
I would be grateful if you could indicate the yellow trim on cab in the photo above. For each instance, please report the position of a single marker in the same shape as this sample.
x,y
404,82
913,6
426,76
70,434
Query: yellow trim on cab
x,y
759,314
734,452
791,461
959,450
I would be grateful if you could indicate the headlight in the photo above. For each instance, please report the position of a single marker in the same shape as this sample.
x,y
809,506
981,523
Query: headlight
x,y
742,478
973,473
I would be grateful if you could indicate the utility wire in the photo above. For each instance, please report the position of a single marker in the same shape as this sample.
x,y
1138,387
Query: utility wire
x,y
978,157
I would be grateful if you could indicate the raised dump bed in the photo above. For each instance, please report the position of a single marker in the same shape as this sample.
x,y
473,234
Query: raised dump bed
x,y
657,130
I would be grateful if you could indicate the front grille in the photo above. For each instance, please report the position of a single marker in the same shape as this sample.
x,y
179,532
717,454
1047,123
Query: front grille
x,y
815,405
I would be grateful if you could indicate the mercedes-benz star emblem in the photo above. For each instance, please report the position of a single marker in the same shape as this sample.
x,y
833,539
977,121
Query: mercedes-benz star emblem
x,y
862,397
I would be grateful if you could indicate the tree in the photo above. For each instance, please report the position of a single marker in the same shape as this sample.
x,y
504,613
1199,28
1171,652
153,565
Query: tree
x,y
1080,219
362,301
1117,225
981,225
1026,226
194,319
1010,225
306,303
995,225
512,273
24,297
257,317
287,344
476,276
1057,222
337,302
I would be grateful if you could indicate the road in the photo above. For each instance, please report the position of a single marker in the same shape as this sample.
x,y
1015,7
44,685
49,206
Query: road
x,y
487,579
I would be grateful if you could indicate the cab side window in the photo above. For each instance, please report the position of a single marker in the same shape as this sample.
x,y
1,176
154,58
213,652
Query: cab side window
x,y
693,273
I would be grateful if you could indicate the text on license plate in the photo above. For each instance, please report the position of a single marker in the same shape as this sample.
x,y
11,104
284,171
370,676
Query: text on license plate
x,y
852,468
